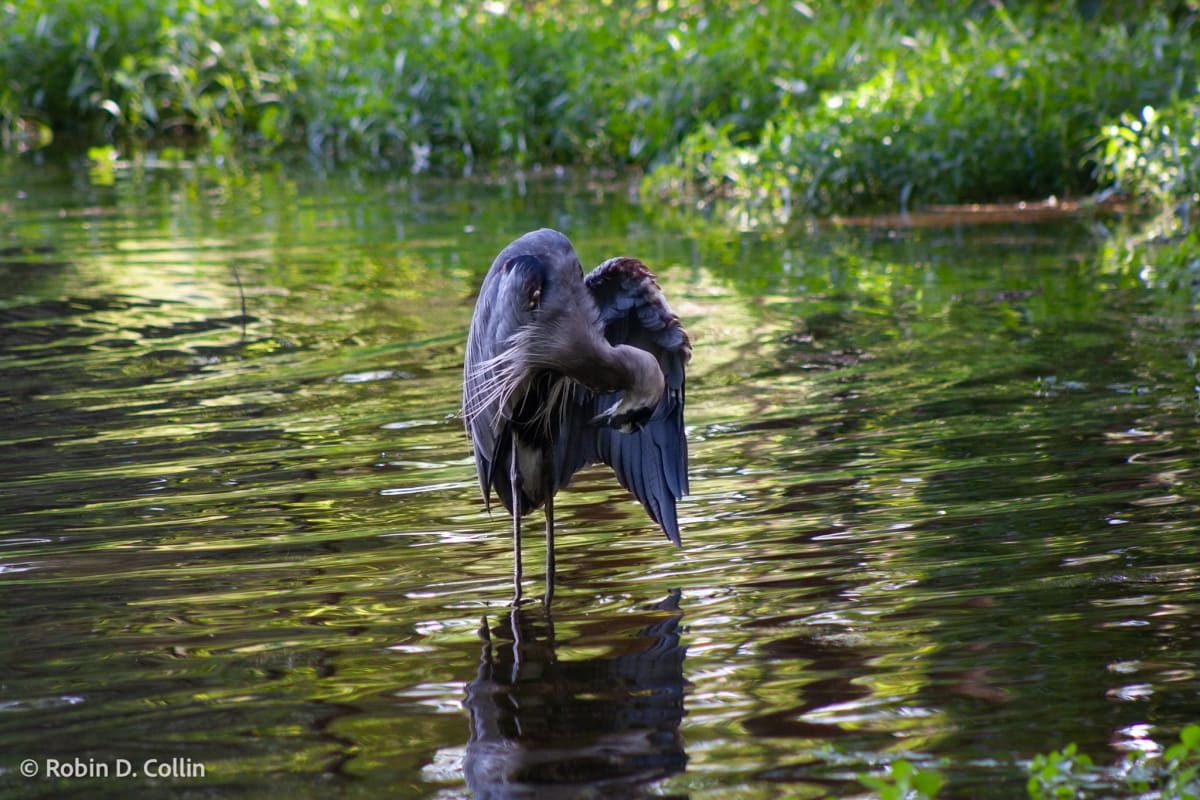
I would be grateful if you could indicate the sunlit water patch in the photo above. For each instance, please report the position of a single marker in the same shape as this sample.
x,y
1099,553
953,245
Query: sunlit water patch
x,y
943,504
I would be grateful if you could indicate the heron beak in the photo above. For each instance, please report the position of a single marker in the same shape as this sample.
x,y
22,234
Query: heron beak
x,y
628,422
602,420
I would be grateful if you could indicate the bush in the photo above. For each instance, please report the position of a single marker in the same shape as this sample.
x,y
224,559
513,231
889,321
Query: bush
x,y
991,110
124,68
1154,154
1175,775
430,84
765,107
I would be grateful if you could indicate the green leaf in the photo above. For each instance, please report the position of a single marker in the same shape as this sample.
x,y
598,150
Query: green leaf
x,y
1190,737
928,783
873,782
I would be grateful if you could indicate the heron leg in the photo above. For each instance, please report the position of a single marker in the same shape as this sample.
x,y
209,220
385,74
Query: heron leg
x,y
549,547
548,473
514,476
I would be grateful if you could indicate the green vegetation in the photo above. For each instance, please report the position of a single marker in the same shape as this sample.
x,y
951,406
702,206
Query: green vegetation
x,y
1068,774
434,84
997,107
1154,154
987,110
767,109
903,781
1058,774
753,113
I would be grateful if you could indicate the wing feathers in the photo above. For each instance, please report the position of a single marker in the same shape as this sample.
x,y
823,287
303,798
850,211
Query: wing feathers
x,y
651,463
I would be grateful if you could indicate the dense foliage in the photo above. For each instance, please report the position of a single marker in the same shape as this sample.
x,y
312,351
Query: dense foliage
x,y
1173,774
433,84
1154,153
768,108
990,109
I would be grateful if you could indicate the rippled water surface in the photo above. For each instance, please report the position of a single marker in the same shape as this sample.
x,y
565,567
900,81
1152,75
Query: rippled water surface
x,y
944,503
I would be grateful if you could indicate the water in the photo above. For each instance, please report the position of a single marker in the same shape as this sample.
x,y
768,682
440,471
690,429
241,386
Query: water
x,y
944,503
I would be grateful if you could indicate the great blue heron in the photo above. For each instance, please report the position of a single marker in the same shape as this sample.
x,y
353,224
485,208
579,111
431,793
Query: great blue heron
x,y
563,371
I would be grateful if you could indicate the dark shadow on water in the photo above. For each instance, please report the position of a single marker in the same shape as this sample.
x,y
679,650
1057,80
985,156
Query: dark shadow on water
x,y
545,725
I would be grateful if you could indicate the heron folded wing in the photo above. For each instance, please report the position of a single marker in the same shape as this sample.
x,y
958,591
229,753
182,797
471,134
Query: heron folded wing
x,y
633,311
492,373
652,462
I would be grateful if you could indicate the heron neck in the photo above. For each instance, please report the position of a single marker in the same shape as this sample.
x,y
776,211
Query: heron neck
x,y
584,355
624,368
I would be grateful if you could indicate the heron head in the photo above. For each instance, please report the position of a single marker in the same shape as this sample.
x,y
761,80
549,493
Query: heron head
x,y
533,315
537,282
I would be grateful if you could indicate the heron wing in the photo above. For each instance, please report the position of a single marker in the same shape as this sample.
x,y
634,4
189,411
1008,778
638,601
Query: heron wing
x,y
651,463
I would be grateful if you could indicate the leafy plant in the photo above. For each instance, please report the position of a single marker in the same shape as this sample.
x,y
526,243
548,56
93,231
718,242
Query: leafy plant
x,y
903,781
1175,775
994,108
1153,153
763,109
1058,774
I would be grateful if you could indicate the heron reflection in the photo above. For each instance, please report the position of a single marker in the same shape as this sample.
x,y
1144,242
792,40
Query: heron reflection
x,y
601,725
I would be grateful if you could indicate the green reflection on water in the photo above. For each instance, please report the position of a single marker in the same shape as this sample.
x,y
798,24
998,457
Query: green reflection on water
x,y
944,492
